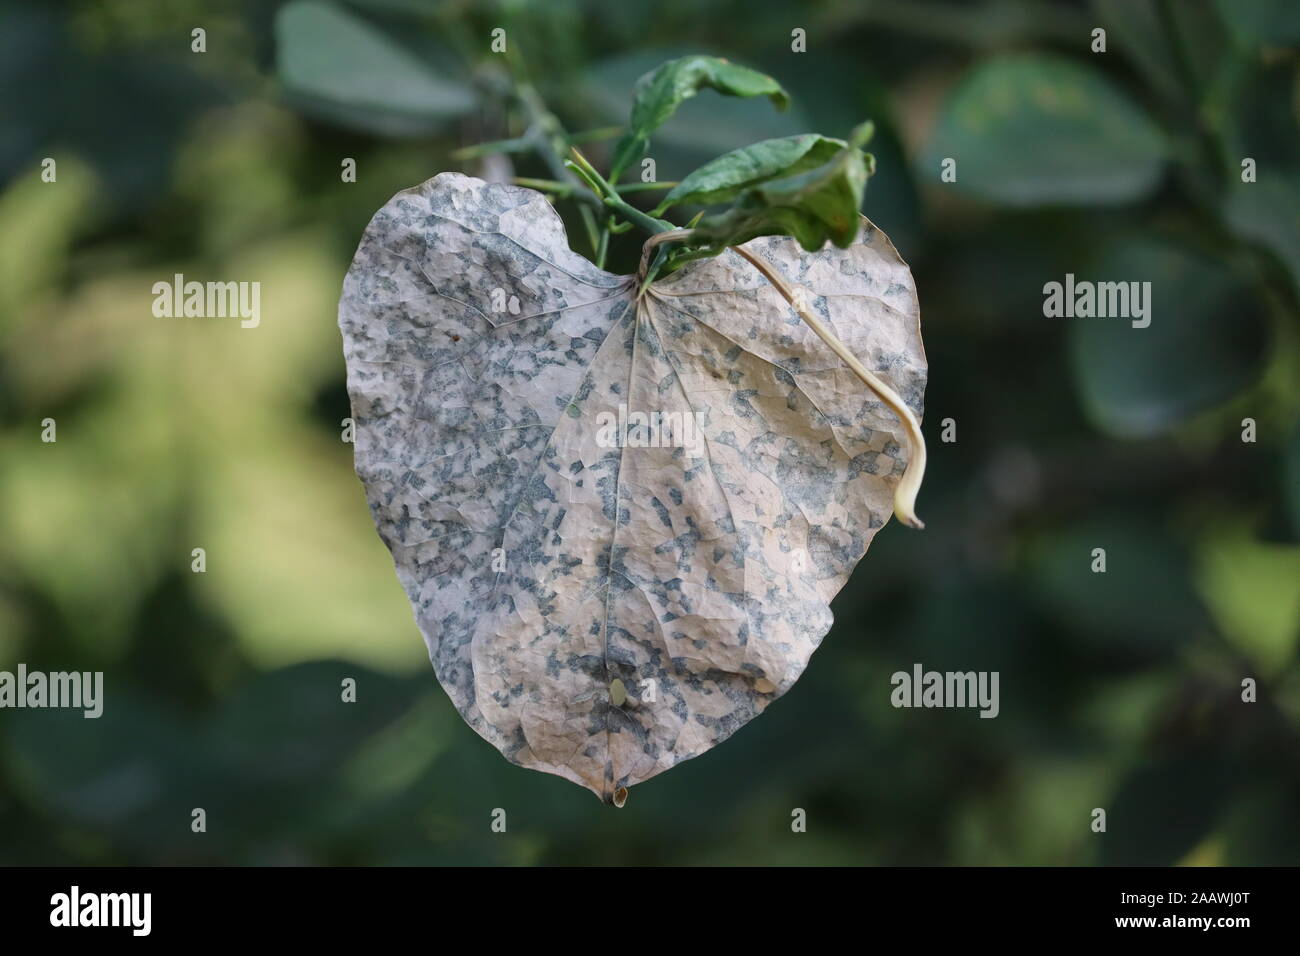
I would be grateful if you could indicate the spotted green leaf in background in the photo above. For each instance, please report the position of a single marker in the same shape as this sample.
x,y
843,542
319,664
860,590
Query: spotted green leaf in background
x,y
1077,137
342,68
1206,341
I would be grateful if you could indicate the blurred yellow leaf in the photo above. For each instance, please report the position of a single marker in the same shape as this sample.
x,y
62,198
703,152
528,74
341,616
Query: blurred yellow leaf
x,y
1253,591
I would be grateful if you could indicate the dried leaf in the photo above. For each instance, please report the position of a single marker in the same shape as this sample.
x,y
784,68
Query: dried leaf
x,y
545,563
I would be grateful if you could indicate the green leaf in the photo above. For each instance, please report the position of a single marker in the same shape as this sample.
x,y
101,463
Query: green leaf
x,y
1206,341
1180,49
813,206
342,69
1032,129
1136,27
1253,590
125,775
1292,478
1262,828
835,92
1267,212
1166,806
701,129
1275,22
1262,126
727,176
1141,609
661,91
293,723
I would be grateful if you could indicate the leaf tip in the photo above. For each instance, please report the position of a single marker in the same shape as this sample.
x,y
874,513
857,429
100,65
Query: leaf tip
x,y
861,134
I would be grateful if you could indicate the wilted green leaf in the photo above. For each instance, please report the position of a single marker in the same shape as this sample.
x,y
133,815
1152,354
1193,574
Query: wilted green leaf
x,y
343,69
701,128
813,206
836,92
660,92
725,177
1205,342
1030,129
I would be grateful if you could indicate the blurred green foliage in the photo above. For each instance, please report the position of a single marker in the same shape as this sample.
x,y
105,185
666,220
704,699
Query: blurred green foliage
x,y
1120,690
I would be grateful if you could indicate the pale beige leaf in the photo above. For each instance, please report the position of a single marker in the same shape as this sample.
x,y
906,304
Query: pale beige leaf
x,y
600,611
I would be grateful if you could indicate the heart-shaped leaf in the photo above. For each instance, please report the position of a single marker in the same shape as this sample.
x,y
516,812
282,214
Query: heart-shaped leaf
x,y
620,518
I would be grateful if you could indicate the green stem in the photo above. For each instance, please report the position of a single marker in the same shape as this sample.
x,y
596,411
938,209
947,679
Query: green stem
x,y
589,222
595,135
578,174
612,198
657,244
585,183
563,190
603,248
521,144
644,187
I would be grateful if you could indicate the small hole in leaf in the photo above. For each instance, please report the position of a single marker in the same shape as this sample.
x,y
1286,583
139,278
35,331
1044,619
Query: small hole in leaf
x,y
620,796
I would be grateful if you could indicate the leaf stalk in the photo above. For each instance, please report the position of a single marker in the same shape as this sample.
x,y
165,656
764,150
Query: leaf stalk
x,y
910,484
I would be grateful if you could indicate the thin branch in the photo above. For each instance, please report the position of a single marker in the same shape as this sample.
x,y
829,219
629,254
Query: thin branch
x,y
613,200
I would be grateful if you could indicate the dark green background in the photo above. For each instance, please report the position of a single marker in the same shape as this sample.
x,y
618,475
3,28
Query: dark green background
x,y
1119,691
